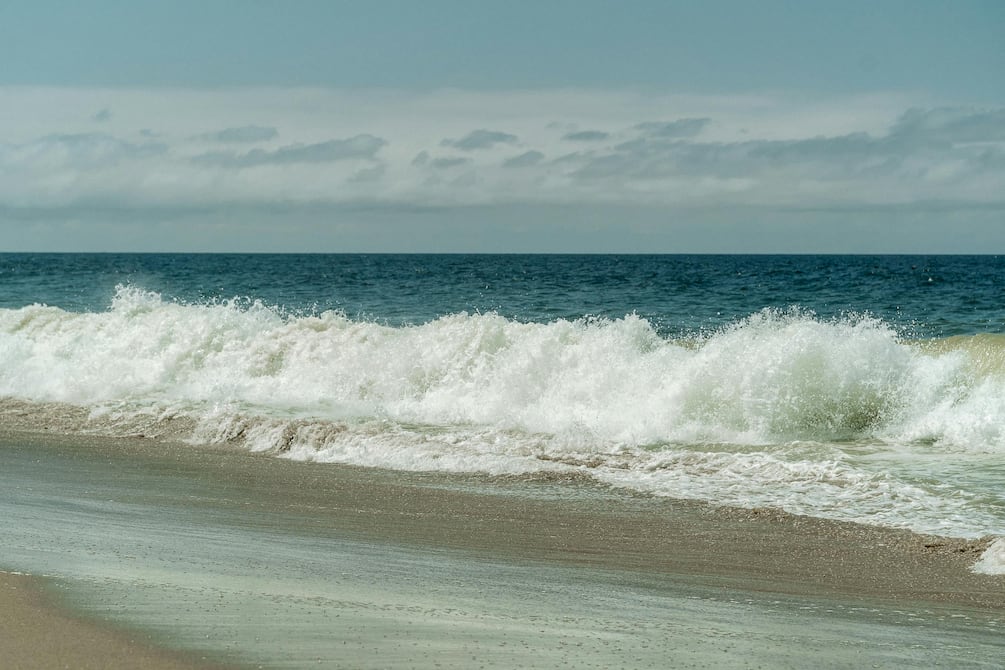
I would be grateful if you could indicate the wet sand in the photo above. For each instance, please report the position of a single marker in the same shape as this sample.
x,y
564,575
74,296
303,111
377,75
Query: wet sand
x,y
356,567
35,633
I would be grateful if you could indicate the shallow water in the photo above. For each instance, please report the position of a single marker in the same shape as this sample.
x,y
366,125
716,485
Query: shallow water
x,y
163,547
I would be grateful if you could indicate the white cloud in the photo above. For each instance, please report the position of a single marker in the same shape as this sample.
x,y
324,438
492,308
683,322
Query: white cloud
x,y
244,134
673,129
480,139
586,136
526,159
447,162
358,147
83,151
162,148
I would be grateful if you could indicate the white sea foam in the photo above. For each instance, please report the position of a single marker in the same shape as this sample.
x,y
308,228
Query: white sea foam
x,y
992,561
726,416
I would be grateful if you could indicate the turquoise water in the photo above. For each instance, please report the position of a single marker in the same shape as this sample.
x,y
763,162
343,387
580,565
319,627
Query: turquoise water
x,y
926,296
869,389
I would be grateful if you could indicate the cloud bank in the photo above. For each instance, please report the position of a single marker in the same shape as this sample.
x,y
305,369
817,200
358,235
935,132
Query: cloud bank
x,y
684,156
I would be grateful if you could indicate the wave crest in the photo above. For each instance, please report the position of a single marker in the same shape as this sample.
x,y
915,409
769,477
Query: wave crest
x,y
772,377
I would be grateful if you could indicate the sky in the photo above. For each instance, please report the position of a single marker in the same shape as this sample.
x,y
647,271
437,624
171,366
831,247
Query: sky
x,y
442,126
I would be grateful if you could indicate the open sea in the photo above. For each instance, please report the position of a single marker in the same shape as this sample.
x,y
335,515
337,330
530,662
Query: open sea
x,y
857,388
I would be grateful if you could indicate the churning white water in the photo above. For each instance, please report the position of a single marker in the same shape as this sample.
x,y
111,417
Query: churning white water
x,y
840,418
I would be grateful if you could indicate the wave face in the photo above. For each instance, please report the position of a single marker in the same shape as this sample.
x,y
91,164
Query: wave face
x,y
833,417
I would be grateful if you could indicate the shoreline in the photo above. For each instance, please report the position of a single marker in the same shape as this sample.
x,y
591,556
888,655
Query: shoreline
x,y
539,528
542,517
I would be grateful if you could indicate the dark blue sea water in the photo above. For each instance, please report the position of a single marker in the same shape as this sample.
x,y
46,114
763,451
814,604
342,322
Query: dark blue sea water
x,y
865,388
925,296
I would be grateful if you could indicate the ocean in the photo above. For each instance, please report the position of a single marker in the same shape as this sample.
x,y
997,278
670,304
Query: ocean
x,y
856,388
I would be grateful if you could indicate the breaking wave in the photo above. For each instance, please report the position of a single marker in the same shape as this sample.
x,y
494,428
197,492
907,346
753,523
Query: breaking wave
x,y
825,417
775,376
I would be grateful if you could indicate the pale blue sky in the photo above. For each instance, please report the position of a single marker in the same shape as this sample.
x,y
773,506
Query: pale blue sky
x,y
470,126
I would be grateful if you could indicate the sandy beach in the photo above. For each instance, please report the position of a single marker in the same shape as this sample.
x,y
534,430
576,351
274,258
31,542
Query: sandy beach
x,y
251,559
